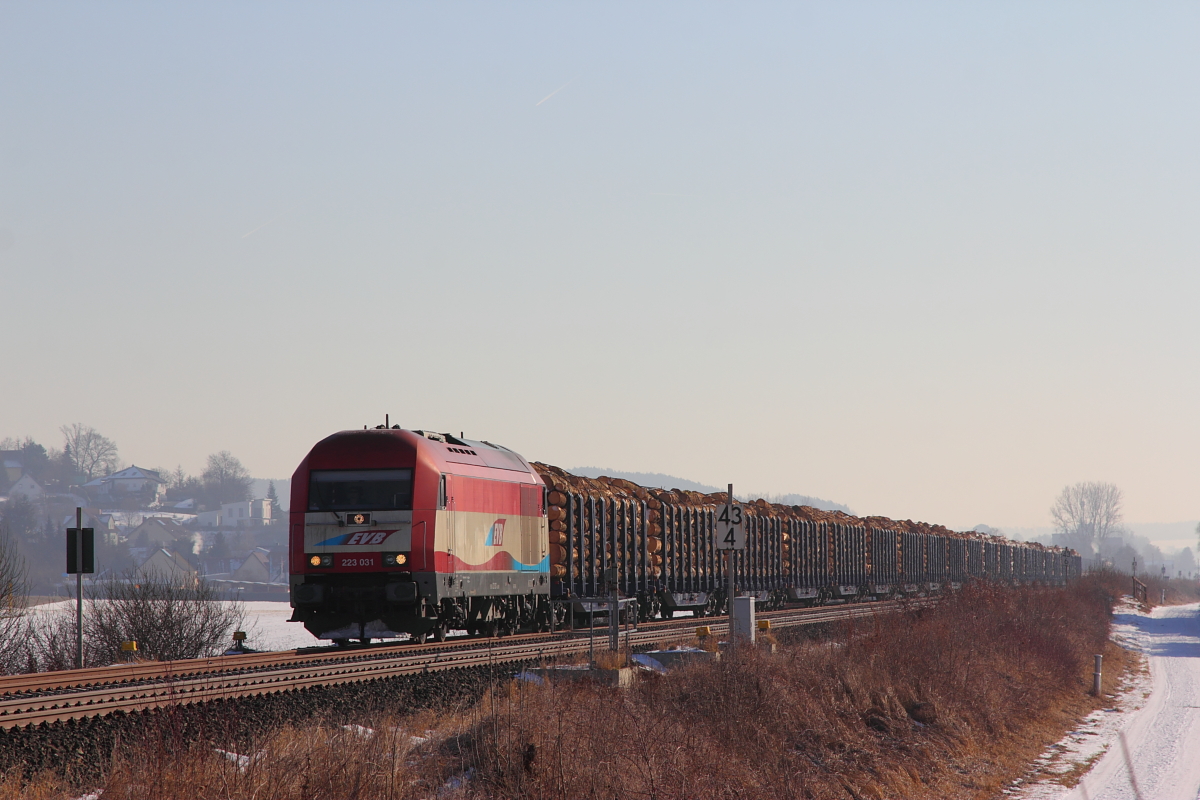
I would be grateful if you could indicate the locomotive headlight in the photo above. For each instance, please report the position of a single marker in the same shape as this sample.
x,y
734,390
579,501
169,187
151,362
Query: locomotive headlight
x,y
321,561
315,561
394,559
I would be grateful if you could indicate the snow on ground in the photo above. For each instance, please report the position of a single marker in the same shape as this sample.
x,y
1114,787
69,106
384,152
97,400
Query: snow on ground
x,y
266,624
1153,725
267,627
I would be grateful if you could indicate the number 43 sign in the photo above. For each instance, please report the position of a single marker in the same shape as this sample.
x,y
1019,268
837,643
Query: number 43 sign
x,y
730,528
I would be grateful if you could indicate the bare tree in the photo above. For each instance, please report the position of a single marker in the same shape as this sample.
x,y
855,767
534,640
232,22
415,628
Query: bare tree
x,y
90,452
13,588
225,479
1088,512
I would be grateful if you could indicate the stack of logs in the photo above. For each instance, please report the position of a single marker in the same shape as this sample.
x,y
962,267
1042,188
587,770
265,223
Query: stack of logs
x,y
636,499
560,483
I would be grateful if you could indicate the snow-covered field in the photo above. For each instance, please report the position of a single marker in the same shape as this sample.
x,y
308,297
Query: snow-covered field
x,y
267,627
1154,726
266,624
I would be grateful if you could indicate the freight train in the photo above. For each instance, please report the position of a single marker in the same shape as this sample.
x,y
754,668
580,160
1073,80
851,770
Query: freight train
x,y
397,532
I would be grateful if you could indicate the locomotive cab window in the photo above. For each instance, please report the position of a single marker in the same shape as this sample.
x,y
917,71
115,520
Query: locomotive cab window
x,y
360,490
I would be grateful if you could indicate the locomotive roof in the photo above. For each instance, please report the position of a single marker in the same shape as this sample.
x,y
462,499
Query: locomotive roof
x,y
446,452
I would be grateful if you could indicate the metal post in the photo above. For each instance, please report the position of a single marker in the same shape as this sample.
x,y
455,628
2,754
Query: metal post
x,y
78,588
614,613
729,558
1097,676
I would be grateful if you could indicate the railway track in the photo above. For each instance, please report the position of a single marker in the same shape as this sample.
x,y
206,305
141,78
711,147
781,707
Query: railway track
x,y
74,694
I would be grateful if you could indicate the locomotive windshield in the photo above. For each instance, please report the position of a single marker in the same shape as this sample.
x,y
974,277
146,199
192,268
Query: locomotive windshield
x,y
360,489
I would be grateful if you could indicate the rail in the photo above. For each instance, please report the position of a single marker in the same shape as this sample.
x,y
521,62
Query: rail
x,y
76,694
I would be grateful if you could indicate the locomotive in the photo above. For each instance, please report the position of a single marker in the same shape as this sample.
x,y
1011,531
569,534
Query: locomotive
x,y
414,532
395,531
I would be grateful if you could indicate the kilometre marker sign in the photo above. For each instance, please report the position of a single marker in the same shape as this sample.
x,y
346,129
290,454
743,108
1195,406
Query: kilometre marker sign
x,y
730,528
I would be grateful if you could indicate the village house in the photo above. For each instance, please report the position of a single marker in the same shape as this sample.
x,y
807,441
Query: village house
x,y
158,532
144,484
244,514
12,467
25,486
166,566
256,568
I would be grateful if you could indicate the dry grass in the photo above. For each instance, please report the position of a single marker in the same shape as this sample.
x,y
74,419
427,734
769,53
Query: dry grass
x,y
946,702
415,757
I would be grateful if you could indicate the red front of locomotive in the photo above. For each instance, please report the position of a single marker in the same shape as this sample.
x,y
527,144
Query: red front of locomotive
x,y
380,522
361,524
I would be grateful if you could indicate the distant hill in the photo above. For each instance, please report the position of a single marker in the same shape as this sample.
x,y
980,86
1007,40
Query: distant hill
x,y
660,481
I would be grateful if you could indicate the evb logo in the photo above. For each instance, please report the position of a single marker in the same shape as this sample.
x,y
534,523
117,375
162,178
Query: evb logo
x,y
368,537
495,537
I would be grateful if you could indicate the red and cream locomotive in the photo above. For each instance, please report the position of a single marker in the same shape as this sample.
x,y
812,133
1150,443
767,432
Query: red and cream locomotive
x,y
411,532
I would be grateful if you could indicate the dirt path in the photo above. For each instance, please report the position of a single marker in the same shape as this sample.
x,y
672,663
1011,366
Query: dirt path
x,y
1155,726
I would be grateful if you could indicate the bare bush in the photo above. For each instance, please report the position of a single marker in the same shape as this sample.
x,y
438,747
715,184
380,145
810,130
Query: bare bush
x,y
50,643
168,619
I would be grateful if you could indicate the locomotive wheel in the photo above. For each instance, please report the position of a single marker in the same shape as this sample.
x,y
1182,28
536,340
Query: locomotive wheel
x,y
439,633
419,638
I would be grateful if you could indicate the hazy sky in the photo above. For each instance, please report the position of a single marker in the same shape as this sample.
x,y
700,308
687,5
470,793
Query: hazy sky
x,y
932,261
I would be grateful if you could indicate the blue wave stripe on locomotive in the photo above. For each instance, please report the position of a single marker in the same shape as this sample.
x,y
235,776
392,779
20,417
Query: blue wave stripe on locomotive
x,y
541,566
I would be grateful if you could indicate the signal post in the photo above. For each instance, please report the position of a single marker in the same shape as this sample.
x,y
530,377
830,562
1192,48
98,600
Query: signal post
x,y
81,558
730,535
